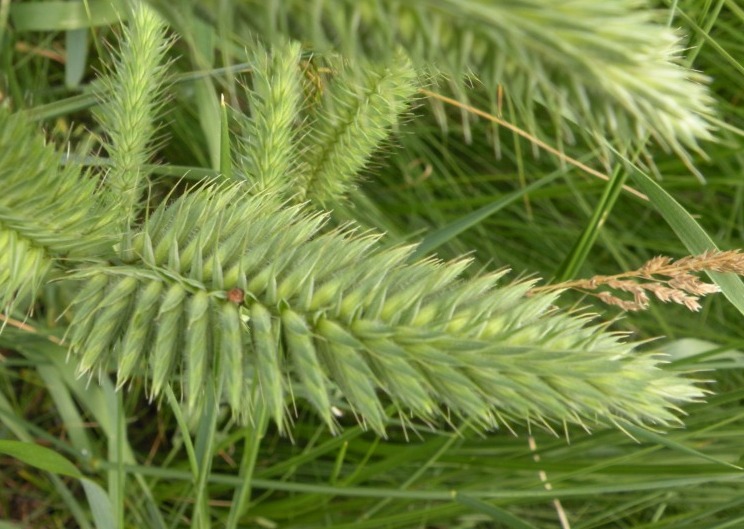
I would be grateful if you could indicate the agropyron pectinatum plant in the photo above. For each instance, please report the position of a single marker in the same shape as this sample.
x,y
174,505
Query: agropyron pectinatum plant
x,y
236,288
220,285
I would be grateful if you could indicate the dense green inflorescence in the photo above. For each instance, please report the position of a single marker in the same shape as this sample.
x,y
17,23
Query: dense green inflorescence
x,y
131,99
220,285
314,150
48,216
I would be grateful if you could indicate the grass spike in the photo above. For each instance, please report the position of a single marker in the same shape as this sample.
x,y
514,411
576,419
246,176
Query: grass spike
x,y
134,89
139,331
268,152
356,116
615,67
483,351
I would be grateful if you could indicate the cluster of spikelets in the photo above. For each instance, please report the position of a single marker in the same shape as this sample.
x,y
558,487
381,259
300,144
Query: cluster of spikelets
x,y
231,286
219,285
309,138
134,88
47,214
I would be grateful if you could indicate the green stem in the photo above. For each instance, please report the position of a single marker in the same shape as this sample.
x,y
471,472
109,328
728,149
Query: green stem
x,y
253,435
204,447
583,245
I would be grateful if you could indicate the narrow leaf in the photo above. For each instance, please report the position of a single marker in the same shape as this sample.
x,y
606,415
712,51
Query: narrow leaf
x,y
497,514
39,457
100,505
58,16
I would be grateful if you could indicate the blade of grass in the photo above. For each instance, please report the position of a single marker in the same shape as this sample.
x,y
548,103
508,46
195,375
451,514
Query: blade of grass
x,y
497,514
253,437
447,443
100,505
39,457
76,44
583,245
205,441
4,12
68,411
669,442
16,425
711,41
183,427
439,237
59,16
117,479
589,491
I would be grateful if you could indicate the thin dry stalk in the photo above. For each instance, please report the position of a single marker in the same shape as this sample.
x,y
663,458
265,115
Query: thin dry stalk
x,y
562,517
662,277
552,150
5,320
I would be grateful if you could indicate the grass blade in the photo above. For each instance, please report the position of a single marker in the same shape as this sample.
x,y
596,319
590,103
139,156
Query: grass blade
x,y
39,457
497,514
57,16
439,237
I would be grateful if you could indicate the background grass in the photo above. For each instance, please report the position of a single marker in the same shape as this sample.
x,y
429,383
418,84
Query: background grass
x,y
158,474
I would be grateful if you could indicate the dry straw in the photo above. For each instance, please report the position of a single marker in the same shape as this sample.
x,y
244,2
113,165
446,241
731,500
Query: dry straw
x,y
662,277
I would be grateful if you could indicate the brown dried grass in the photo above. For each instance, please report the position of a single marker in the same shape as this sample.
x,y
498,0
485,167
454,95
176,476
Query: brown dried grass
x,y
663,278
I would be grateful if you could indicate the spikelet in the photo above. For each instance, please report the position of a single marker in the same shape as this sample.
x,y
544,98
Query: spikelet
x,y
230,336
168,336
265,342
308,369
196,347
138,331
